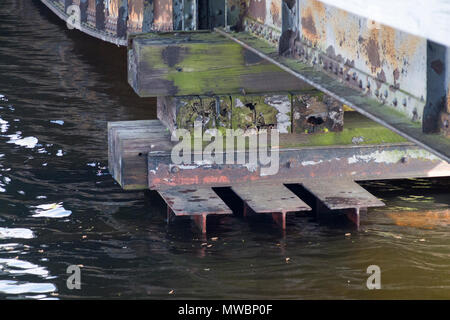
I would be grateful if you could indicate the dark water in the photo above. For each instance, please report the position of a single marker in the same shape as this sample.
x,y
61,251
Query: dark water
x,y
59,206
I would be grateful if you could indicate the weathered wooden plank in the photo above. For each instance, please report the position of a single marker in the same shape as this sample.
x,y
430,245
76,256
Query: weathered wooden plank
x,y
131,151
133,160
115,126
200,63
129,142
338,194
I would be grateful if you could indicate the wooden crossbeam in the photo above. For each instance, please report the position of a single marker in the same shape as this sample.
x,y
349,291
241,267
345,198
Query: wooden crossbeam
x,y
200,63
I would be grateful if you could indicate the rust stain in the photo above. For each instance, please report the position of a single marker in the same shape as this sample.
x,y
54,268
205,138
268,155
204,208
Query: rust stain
x,y
135,15
309,27
310,14
385,47
257,10
422,219
448,98
163,15
216,179
113,9
373,51
396,74
275,12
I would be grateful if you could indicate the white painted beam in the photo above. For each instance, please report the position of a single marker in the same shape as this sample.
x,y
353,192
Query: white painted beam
x,y
429,19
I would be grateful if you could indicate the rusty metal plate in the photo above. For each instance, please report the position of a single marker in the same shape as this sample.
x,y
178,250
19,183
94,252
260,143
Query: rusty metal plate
x,y
270,198
194,201
341,194
399,122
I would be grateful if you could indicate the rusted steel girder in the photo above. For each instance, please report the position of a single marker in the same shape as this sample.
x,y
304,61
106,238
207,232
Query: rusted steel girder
x,y
197,203
393,161
389,72
113,20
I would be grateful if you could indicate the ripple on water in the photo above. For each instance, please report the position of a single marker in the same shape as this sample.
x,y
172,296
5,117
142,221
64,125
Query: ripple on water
x,y
53,210
21,267
16,287
27,142
16,233
4,125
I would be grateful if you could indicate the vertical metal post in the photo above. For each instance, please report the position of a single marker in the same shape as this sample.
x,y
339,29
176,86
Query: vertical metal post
x,y
354,216
83,10
225,12
438,87
195,15
289,25
183,15
100,15
280,219
122,19
147,23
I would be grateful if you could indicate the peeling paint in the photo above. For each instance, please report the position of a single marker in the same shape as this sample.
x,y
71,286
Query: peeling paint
x,y
390,157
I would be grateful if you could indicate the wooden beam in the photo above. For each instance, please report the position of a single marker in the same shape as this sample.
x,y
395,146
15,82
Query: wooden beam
x,y
356,158
200,63
129,143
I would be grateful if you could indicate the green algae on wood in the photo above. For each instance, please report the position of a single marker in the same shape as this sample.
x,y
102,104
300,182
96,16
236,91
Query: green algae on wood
x,y
269,111
201,63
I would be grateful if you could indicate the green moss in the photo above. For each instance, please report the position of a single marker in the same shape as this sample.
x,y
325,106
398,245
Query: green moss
x,y
357,130
205,67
